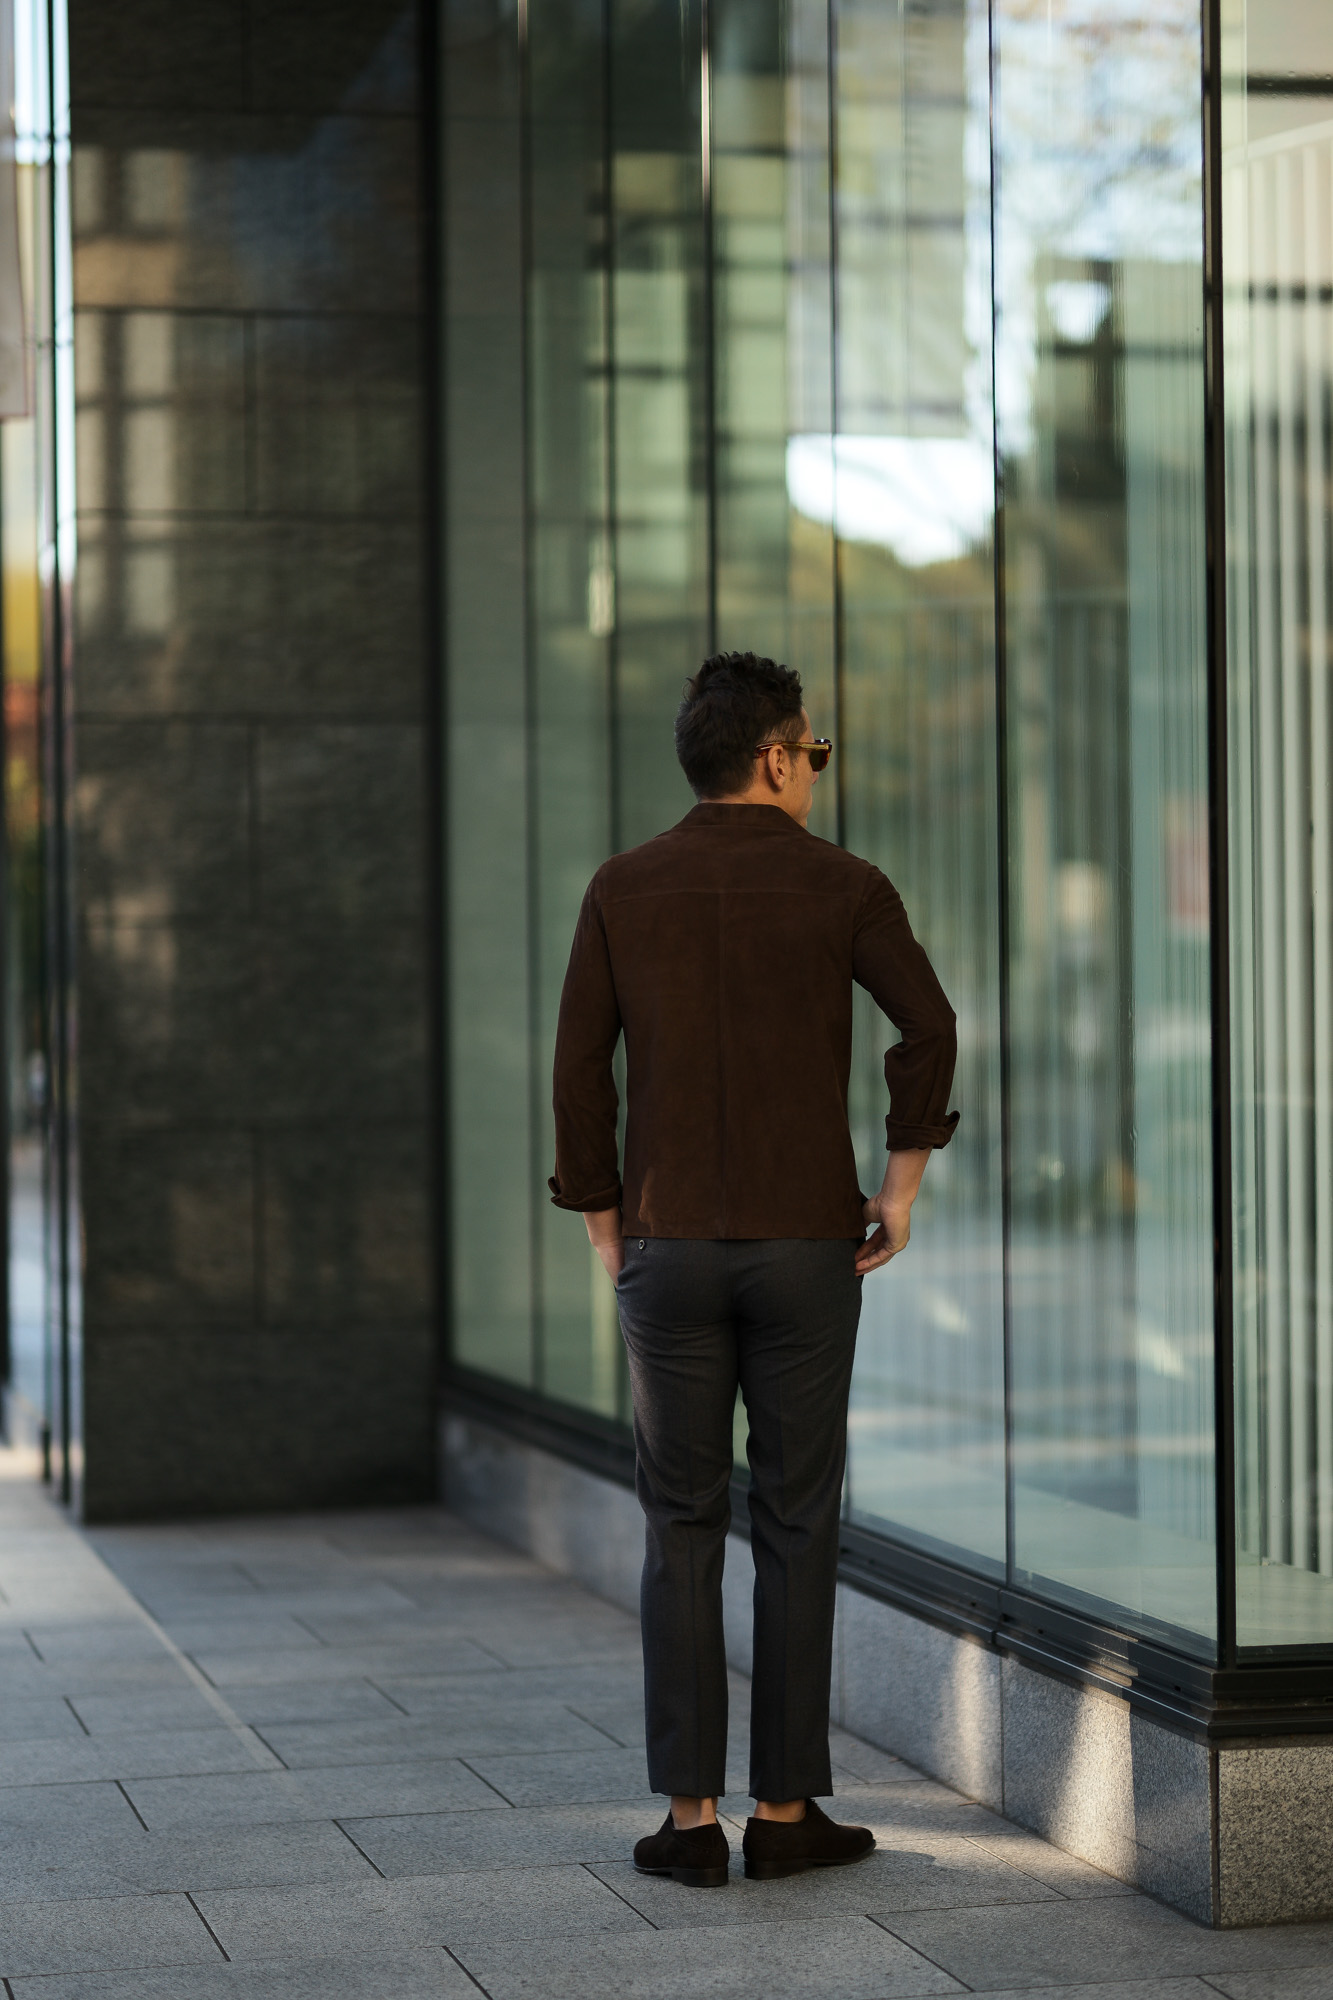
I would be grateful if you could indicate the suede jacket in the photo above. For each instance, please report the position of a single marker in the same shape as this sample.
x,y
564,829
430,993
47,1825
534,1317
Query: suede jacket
x,y
725,952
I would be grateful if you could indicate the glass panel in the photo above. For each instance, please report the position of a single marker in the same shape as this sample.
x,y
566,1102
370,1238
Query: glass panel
x,y
1277,215
911,482
571,581
491,1086
773,350
659,400
1099,394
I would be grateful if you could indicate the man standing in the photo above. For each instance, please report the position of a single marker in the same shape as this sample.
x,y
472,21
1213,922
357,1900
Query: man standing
x,y
725,952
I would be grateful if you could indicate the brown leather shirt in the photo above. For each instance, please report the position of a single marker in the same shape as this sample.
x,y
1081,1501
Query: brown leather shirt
x,y
725,951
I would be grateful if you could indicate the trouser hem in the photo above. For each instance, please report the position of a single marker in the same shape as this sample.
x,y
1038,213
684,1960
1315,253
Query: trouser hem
x,y
780,1791
688,1788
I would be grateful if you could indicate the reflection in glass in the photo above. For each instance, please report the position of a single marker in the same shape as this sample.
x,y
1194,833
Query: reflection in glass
x,y
492,1185
1099,370
908,483
28,1359
768,93
660,398
572,606
1277,214
43,1331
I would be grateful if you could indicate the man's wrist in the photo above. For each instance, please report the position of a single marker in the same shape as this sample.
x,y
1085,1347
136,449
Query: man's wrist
x,y
605,1226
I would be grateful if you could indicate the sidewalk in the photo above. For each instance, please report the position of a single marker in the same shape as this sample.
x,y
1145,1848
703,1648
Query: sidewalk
x,y
377,1757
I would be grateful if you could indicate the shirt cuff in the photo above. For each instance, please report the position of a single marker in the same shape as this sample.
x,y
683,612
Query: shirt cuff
x,y
587,1204
903,1138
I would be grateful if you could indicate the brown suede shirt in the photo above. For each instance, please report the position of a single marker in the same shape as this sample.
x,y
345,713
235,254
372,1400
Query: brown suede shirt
x,y
725,951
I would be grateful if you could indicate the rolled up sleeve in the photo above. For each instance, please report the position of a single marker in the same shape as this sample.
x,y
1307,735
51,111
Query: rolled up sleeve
x,y
894,970
587,1162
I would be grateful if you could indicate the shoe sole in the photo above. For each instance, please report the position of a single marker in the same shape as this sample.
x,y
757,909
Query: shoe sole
x,y
769,1871
693,1878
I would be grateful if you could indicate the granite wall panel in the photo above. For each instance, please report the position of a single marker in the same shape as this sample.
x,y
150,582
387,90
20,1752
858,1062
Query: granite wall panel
x,y
168,1019
1275,1832
267,619
931,1696
187,1420
250,686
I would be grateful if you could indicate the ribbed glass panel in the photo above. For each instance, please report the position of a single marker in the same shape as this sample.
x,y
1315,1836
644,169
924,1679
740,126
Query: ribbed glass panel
x,y
1278,263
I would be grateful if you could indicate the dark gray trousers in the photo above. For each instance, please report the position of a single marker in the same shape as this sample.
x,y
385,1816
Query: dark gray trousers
x,y
779,1319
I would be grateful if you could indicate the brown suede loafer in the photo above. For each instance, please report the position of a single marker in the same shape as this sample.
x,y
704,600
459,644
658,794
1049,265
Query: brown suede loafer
x,y
697,1857
775,1847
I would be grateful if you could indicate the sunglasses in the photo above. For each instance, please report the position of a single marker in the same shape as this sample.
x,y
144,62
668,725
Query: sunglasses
x,y
820,750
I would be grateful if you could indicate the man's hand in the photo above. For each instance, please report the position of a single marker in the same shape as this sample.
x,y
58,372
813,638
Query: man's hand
x,y
894,1229
889,1213
607,1236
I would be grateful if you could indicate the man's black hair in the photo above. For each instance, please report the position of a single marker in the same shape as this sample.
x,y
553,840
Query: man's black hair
x,y
734,703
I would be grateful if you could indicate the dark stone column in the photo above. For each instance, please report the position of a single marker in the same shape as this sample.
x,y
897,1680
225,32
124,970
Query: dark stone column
x,y
250,670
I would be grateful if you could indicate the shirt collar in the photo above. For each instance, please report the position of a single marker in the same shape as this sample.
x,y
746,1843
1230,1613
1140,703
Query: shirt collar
x,y
753,819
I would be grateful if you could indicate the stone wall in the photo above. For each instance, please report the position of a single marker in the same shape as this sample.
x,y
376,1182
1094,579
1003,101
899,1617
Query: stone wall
x,y
249,685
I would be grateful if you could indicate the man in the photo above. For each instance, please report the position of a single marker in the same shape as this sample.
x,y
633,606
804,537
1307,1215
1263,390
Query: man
x,y
725,952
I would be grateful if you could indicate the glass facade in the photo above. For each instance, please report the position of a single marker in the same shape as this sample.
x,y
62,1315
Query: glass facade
x,y
877,337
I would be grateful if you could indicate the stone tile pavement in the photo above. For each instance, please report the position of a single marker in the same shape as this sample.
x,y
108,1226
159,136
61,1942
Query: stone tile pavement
x,y
378,1757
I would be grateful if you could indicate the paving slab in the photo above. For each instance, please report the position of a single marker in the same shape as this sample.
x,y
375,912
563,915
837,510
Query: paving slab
x,y
864,1761
542,1836
566,1778
836,1958
92,1675
544,1903
956,1875
263,1666
930,1813
1116,1938
140,1754
430,1974
129,1714
1048,1864
216,1632
40,1718
102,1933
261,1797
24,1678
63,1867
312,1701
622,1721
1127,1989
27,1811
72,1645
376,1600
889,1810
619,1680
484,1730
533,1648
1313,1983
201,1578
